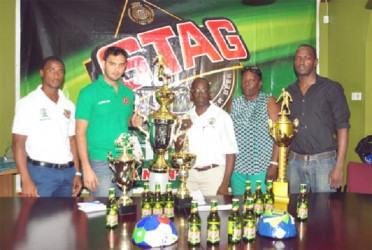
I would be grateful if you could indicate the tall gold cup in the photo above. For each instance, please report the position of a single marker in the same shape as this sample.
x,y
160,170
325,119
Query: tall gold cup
x,y
283,131
162,124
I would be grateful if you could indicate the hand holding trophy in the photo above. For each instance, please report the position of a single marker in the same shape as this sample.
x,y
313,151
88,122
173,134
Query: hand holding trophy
x,y
124,167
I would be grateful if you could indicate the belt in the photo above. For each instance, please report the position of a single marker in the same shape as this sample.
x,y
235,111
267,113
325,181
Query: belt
x,y
50,165
294,156
205,168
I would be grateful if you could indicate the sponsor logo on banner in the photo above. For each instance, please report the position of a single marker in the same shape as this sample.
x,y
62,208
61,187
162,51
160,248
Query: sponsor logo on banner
x,y
213,50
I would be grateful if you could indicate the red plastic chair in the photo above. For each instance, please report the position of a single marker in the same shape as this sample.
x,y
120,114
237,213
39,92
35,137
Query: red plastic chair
x,y
359,178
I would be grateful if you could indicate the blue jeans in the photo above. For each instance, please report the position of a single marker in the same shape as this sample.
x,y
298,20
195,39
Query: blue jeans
x,y
313,173
51,182
104,175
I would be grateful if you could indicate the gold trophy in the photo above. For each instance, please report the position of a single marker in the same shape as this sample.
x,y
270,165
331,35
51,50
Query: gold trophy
x,y
162,128
283,131
124,167
183,160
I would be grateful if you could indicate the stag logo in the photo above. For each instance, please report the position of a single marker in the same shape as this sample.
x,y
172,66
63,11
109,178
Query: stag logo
x,y
141,14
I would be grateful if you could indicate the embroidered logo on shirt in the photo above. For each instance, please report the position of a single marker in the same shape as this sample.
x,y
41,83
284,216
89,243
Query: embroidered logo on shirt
x,y
104,101
67,113
125,100
210,124
44,114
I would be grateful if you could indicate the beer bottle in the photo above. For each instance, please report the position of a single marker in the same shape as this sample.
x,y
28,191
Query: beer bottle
x,y
234,225
249,221
112,210
169,202
269,196
194,230
302,204
157,208
213,224
146,201
258,200
247,193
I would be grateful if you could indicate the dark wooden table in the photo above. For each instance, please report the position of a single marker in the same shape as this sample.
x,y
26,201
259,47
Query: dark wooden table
x,y
336,221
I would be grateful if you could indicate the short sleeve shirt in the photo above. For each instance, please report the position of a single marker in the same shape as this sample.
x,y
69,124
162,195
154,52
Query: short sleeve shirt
x,y
107,113
211,136
47,125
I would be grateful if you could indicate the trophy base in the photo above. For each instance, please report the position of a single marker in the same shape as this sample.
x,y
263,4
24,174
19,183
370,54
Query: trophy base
x,y
182,203
128,209
161,178
281,198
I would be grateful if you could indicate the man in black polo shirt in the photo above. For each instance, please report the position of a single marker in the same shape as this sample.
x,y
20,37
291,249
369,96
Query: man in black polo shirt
x,y
318,151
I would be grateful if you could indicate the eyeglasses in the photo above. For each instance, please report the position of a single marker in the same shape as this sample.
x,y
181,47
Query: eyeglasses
x,y
199,91
253,69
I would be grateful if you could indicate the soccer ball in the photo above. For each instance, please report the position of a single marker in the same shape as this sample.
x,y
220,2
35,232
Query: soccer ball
x,y
154,231
277,224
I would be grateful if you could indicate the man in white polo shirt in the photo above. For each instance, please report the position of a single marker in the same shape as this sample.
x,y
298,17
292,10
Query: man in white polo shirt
x,y
211,136
44,143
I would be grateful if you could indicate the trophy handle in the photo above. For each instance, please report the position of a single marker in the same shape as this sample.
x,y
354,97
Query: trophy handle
x,y
110,162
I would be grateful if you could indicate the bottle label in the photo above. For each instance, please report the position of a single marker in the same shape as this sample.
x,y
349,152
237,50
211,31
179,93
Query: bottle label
x,y
157,210
249,230
111,220
258,207
235,230
169,211
269,206
302,211
193,234
213,232
146,210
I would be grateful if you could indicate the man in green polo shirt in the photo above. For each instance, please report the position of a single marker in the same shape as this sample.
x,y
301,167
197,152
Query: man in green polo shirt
x,y
104,110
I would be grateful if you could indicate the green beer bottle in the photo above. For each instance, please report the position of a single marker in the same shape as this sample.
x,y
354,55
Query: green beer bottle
x,y
249,221
302,204
146,201
112,210
234,225
269,196
194,230
247,193
169,202
157,208
258,200
213,224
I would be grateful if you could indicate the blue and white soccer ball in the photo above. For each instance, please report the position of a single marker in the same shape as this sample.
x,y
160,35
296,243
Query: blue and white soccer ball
x,y
154,231
277,223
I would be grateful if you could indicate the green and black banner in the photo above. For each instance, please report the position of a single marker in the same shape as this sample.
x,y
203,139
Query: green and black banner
x,y
209,38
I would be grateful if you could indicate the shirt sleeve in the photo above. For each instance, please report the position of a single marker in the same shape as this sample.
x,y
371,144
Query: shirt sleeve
x,y
71,127
83,106
228,139
340,108
23,117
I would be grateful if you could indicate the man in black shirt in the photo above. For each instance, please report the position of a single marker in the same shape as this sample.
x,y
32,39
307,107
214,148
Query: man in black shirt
x,y
318,151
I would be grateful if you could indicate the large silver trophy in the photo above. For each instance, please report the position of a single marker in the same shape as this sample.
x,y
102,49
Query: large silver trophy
x,y
124,167
162,129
